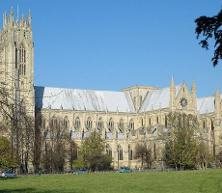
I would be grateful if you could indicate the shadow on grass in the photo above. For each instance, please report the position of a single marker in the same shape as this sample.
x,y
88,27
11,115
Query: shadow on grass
x,y
31,190
23,190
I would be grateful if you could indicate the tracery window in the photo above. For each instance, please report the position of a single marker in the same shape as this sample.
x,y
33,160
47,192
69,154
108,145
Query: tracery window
x,y
100,124
131,125
130,153
120,152
121,126
108,150
77,124
110,125
20,60
89,123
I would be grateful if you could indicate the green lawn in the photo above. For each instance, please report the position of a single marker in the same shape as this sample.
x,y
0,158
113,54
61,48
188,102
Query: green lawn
x,y
209,181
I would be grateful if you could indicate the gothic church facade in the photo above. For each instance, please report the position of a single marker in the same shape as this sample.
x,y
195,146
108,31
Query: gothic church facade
x,y
124,118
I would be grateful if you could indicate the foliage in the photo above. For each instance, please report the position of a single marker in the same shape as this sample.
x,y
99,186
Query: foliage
x,y
6,159
210,28
144,153
209,181
17,123
55,139
92,153
181,146
203,158
78,164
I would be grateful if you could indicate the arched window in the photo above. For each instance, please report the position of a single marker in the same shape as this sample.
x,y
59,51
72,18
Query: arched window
x,y
43,123
65,123
110,125
166,124
157,119
130,153
77,124
20,58
134,101
141,101
54,122
108,150
204,124
150,121
100,124
120,152
131,125
88,124
142,122
121,126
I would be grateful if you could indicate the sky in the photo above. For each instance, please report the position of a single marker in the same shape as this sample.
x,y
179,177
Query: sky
x,y
114,44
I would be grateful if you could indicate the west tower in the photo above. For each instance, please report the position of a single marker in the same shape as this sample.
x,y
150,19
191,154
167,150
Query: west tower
x,y
16,59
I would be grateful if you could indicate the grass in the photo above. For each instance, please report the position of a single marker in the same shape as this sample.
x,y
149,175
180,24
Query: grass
x,y
209,181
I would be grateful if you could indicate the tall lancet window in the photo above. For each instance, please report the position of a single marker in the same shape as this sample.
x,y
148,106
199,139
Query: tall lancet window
x,y
21,59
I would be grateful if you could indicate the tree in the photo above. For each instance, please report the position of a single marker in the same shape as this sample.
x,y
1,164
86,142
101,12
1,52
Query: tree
x,y
92,152
181,147
203,155
210,28
144,153
17,124
6,159
55,139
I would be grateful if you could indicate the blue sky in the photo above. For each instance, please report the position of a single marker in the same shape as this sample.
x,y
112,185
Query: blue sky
x,y
113,44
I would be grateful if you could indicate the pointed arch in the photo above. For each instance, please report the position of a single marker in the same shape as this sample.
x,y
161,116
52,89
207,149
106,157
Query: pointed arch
x,y
111,125
120,152
100,124
77,124
131,125
121,125
88,124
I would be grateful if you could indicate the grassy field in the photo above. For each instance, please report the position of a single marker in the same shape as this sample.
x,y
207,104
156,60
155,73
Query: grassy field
x,y
209,181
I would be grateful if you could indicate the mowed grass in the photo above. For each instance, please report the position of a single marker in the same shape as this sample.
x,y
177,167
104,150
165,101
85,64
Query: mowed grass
x,y
209,181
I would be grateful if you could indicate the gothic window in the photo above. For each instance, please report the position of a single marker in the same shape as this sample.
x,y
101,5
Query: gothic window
x,y
20,57
100,124
43,123
54,122
108,150
130,153
120,152
150,121
77,124
65,123
142,122
141,100
157,119
131,125
110,125
154,151
88,124
204,124
121,126
166,124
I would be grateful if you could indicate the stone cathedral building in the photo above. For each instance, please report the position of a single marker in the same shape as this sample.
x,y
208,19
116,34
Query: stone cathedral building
x,y
123,118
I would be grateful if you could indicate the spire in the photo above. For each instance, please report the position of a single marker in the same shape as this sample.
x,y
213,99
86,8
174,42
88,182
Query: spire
x,y
193,87
29,18
172,82
11,15
4,19
17,14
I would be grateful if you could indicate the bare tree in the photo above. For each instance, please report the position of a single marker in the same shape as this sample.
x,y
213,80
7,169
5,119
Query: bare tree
x,y
143,152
